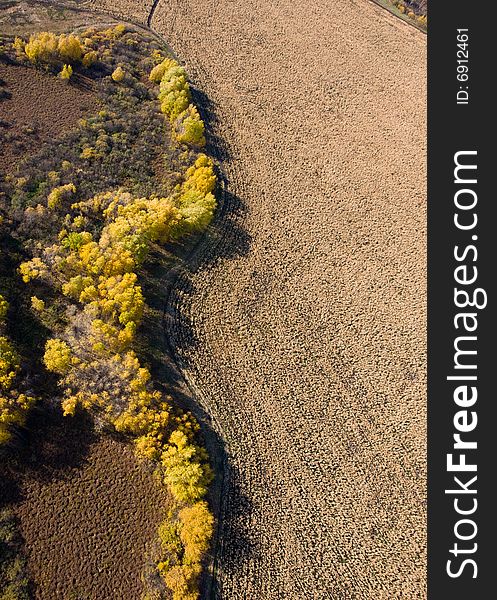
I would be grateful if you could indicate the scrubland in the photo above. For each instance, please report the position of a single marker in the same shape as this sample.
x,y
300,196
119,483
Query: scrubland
x,y
84,202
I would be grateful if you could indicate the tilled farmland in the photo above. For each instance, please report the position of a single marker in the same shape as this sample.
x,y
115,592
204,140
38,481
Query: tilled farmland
x,y
88,514
300,324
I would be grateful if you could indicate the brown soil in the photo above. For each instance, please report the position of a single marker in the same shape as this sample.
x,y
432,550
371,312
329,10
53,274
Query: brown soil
x,y
36,108
89,513
303,330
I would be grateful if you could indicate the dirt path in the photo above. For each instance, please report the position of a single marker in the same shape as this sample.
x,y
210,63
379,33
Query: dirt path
x,y
303,327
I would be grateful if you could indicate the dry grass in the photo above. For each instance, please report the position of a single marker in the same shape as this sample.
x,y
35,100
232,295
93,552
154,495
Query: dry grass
x,y
22,17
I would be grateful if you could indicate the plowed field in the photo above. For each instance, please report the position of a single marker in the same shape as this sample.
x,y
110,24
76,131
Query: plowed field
x,y
301,326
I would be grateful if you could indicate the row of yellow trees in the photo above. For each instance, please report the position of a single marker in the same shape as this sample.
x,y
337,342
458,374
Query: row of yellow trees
x,y
98,369
56,50
176,103
97,271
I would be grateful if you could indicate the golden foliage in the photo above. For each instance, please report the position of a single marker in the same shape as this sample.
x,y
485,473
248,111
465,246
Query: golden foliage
x,y
59,194
186,473
46,47
157,73
182,581
9,363
118,74
170,539
175,98
32,269
57,357
89,58
37,304
66,72
197,524
4,306
189,127
19,44
119,30
42,47
14,408
200,176
70,48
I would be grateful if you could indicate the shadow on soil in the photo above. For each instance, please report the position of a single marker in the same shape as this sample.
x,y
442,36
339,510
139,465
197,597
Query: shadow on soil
x,y
215,145
47,448
167,332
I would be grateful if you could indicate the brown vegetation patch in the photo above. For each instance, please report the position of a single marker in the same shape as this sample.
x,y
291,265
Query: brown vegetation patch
x,y
22,17
36,107
88,514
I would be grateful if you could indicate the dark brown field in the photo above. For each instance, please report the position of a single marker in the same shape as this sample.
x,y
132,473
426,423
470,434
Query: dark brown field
x,y
36,107
88,512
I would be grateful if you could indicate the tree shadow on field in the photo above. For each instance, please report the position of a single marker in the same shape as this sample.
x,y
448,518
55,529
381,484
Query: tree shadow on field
x,y
49,447
233,546
168,285
215,146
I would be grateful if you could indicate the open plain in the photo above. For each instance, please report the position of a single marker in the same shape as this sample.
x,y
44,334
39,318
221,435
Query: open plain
x,y
301,324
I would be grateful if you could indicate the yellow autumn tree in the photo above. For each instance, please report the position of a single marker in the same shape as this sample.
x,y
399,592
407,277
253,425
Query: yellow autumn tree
x,y
89,58
200,176
32,269
42,47
4,306
118,74
185,470
14,405
197,524
14,408
174,102
66,72
37,304
19,45
189,127
61,193
182,580
57,356
157,73
174,90
47,47
69,48
9,363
